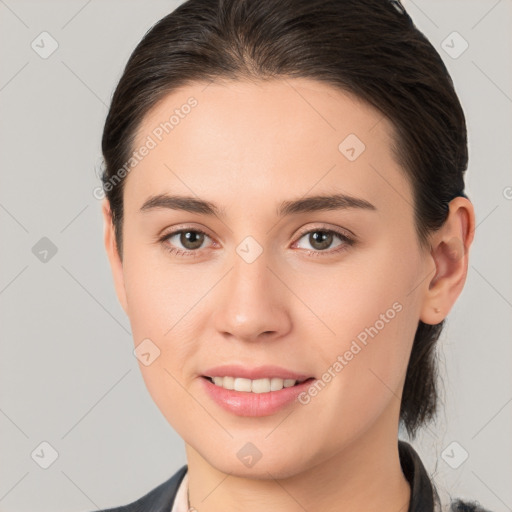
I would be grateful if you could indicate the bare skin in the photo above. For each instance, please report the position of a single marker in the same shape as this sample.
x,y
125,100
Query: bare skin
x,y
247,147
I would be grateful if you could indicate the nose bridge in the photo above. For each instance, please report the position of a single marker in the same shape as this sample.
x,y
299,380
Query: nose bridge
x,y
251,259
250,274
251,302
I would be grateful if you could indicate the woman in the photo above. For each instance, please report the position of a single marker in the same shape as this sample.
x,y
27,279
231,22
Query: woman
x,y
287,228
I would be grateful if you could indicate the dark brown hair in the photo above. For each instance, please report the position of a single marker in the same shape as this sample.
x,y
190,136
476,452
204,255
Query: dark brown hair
x,y
369,48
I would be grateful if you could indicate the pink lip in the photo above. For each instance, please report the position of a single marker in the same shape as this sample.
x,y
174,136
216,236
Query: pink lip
x,y
244,403
260,372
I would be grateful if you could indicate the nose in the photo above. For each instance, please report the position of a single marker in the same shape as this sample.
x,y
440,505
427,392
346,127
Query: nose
x,y
252,301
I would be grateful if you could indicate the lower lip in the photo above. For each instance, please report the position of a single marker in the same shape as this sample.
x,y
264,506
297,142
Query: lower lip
x,y
245,403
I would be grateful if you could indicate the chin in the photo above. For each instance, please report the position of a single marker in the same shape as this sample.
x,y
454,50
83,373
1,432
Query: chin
x,y
260,471
275,464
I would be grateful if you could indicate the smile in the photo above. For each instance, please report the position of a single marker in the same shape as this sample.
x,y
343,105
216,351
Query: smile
x,y
264,385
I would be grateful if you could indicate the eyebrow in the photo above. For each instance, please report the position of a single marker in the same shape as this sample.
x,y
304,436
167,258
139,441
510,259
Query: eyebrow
x,y
303,205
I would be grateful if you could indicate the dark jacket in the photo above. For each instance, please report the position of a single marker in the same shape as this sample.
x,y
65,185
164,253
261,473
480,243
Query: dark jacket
x,y
424,497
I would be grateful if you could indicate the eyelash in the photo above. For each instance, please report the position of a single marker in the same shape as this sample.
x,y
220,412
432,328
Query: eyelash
x,y
347,241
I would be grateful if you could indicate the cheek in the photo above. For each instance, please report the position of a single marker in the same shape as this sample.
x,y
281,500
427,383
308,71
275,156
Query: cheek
x,y
374,315
369,296
161,301
160,296
360,371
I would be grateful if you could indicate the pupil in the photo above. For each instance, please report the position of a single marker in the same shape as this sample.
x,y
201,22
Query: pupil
x,y
324,239
193,238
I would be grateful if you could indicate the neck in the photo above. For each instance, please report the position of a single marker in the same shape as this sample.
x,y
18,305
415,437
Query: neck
x,y
366,475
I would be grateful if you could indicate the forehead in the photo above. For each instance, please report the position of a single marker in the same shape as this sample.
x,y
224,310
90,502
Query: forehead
x,y
226,139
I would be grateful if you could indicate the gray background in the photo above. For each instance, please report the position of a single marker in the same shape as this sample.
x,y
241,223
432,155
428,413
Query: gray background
x,y
68,376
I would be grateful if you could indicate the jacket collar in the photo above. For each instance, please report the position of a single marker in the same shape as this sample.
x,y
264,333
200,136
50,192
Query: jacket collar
x,y
424,497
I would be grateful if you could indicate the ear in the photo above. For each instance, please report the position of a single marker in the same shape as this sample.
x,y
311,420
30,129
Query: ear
x,y
113,254
450,251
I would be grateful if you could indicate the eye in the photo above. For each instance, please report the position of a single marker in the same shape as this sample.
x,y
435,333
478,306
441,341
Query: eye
x,y
321,239
191,241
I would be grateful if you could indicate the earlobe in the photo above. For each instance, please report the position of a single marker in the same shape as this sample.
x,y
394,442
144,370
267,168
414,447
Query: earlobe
x,y
116,264
449,251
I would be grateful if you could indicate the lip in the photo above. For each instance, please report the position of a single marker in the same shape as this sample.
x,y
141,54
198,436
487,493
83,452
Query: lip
x,y
259,372
244,403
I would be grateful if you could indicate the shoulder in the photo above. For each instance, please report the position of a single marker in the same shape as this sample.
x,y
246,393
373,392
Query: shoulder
x,y
160,499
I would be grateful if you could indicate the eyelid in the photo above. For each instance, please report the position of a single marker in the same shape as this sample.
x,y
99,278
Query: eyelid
x,y
323,227
172,230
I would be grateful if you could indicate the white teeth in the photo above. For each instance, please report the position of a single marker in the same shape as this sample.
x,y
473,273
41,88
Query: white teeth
x,y
261,386
253,386
242,384
276,384
228,383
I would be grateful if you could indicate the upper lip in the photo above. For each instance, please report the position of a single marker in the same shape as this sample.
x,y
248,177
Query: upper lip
x,y
259,372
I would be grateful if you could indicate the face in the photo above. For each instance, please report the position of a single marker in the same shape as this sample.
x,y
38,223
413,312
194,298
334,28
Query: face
x,y
327,290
